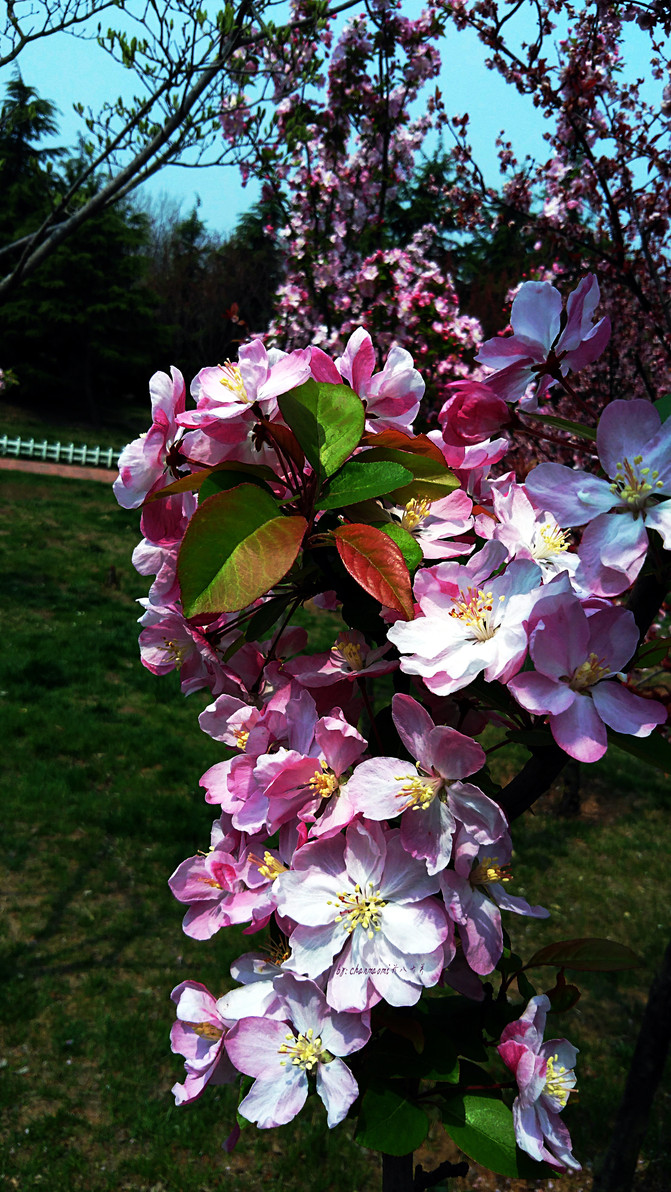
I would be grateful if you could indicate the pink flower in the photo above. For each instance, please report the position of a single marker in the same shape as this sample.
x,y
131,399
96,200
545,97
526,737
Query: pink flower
x,y
435,524
198,1035
391,397
225,393
426,796
143,464
475,891
538,347
473,413
350,658
578,659
635,452
545,1078
364,911
471,622
280,1054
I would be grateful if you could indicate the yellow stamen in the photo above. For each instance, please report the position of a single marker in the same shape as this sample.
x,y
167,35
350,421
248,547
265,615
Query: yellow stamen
x,y
269,867
419,792
206,1030
488,871
559,1081
551,541
474,609
415,512
241,737
232,380
176,651
359,910
588,673
305,1051
630,482
324,782
349,652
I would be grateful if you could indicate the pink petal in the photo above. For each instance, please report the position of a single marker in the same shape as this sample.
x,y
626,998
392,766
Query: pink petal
x,y
626,712
580,731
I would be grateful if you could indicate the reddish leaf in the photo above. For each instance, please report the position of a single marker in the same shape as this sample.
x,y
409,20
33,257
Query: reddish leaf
x,y
417,444
376,563
287,442
592,955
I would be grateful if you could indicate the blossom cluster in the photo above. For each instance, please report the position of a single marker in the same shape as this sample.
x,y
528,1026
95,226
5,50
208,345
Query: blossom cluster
x,y
365,846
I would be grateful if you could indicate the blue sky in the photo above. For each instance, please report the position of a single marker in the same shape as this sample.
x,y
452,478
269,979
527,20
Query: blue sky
x,y
66,69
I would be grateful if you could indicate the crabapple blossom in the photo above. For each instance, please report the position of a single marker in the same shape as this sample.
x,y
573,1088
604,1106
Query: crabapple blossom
x,y
472,622
426,796
435,524
282,1054
349,658
144,463
545,1078
198,1035
635,452
475,892
578,659
364,911
539,348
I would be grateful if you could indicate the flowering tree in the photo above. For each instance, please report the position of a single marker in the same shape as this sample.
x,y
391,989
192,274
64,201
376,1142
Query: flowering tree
x,y
338,164
365,837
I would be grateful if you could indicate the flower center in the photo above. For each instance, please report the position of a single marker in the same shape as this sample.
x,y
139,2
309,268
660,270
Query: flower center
x,y
306,1051
324,782
269,867
348,652
550,541
232,380
588,673
415,512
488,871
419,792
559,1081
359,910
475,610
632,484
206,1030
241,737
176,651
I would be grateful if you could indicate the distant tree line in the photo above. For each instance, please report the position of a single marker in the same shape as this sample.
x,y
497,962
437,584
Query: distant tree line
x,y
132,291
139,289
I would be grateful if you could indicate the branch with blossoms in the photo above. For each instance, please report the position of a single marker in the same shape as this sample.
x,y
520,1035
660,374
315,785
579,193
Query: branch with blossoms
x,y
366,841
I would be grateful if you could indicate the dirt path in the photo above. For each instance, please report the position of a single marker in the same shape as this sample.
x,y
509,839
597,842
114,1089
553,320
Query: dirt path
x,y
70,471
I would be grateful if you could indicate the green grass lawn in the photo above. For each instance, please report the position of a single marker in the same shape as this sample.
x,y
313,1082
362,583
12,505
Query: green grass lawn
x,y
101,801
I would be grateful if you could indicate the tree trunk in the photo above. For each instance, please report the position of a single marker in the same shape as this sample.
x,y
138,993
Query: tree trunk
x,y
397,1173
645,1073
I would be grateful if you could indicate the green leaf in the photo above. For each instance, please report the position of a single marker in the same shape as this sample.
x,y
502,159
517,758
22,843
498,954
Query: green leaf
x,y
359,480
390,1123
327,420
576,428
652,652
655,750
586,956
258,626
432,480
195,480
482,1127
663,406
408,546
235,549
221,481
377,564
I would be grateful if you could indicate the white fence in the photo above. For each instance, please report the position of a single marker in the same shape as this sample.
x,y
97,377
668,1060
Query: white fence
x,y
60,453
